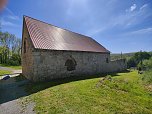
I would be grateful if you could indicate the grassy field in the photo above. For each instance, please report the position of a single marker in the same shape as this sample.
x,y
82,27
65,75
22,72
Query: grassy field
x,y
13,67
3,72
124,93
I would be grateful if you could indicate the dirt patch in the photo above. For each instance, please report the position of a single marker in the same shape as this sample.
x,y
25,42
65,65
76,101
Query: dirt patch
x,y
149,88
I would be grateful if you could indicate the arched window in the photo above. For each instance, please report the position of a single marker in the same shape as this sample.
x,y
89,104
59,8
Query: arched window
x,y
25,46
71,64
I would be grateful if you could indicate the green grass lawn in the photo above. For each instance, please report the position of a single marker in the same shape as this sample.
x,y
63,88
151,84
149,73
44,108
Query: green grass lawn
x,y
3,72
13,67
123,94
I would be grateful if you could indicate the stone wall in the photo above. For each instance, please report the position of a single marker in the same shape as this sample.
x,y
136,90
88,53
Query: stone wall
x,y
27,57
52,64
117,65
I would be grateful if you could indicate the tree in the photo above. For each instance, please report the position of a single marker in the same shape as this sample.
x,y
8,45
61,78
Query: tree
x,y
148,63
140,56
131,62
138,59
10,47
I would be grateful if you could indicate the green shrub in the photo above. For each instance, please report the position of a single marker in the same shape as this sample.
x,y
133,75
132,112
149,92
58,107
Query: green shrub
x,y
15,60
13,63
131,62
137,58
147,76
148,63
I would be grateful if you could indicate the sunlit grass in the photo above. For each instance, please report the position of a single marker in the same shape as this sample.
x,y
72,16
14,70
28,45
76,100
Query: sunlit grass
x,y
123,94
3,72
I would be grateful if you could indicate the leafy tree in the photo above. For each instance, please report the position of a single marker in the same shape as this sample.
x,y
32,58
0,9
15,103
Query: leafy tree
x,y
148,63
131,62
15,59
137,59
140,56
10,48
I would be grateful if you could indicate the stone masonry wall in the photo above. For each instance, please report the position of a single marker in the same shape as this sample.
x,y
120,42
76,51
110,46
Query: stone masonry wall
x,y
117,65
27,57
52,64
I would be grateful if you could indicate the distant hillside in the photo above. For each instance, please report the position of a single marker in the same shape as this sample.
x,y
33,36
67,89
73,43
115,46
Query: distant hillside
x,y
124,55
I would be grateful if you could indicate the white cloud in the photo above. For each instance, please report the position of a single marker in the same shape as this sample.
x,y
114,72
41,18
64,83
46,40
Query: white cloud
x,y
139,33
13,17
133,7
106,18
143,31
96,31
8,23
9,19
124,20
11,14
143,7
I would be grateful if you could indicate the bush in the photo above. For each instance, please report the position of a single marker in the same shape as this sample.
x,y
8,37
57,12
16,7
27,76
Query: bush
x,y
147,76
15,60
137,59
131,62
148,63
13,63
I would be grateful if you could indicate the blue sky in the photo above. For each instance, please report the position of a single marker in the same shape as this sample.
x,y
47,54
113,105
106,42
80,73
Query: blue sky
x,y
119,25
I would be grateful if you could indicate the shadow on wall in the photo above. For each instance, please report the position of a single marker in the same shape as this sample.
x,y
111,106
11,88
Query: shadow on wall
x,y
18,87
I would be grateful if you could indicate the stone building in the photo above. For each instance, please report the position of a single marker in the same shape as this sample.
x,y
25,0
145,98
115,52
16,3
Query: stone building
x,y
49,52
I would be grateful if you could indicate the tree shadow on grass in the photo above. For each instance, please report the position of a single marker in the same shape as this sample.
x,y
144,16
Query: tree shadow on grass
x,y
17,87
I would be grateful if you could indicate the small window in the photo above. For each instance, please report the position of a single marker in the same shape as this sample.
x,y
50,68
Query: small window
x,y
25,46
107,60
71,64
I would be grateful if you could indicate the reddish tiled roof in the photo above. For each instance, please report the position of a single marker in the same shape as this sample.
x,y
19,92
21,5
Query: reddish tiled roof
x,y
46,36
